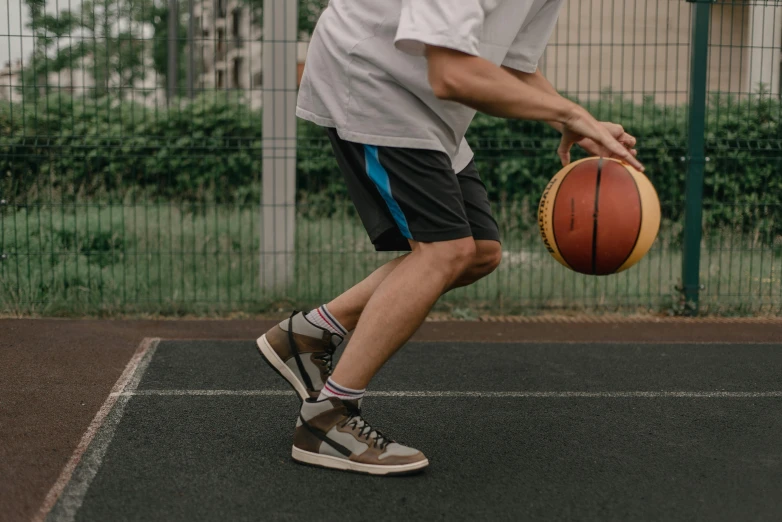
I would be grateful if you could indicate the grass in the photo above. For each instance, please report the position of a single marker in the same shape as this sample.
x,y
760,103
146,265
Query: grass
x,y
167,259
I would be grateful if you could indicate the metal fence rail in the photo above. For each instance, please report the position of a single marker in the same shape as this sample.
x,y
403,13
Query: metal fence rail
x,y
150,162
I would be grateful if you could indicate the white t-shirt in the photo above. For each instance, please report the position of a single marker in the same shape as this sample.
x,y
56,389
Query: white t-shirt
x,y
366,74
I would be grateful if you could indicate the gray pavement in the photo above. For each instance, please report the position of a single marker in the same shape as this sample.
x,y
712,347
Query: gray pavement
x,y
599,456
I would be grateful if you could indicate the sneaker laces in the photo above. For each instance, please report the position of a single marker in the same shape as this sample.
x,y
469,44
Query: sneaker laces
x,y
366,431
327,356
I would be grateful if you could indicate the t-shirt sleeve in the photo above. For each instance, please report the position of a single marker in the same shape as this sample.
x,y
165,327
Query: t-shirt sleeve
x,y
528,47
455,24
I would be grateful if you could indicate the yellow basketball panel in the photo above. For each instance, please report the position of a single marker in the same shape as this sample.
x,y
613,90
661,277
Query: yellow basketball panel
x,y
650,218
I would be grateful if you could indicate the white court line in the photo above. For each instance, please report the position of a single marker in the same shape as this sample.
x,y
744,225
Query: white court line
x,y
69,489
478,394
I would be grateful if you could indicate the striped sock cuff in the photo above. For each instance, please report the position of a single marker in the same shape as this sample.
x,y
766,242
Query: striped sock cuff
x,y
333,320
332,389
322,318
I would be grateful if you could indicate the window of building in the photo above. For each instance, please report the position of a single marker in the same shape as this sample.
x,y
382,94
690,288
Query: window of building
x,y
221,79
238,73
221,8
221,44
236,24
257,80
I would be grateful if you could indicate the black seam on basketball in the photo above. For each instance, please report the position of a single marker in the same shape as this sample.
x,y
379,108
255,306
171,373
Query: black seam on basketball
x,y
640,222
594,216
322,436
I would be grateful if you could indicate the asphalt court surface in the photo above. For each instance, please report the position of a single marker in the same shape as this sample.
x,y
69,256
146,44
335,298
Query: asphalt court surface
x,y
614,431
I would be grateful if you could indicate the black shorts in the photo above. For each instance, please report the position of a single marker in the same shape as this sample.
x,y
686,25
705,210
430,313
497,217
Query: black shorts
x,y
403,194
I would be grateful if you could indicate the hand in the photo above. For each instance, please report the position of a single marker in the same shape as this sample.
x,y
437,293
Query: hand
x,y
601,139
618,132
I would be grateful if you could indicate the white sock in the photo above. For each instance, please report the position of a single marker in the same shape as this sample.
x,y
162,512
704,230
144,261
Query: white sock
x,y
332,389
323,318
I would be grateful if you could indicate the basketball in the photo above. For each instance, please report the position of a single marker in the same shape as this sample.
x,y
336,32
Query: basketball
x,y
599,216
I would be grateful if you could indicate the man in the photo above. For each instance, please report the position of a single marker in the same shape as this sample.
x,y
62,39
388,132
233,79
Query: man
x,y
396,83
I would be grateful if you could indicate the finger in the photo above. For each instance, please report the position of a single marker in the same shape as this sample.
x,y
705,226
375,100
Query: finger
x,y
599,151
625,155
633,152
594,148
627,140
564,157
614,128
617,149
564,151
631,159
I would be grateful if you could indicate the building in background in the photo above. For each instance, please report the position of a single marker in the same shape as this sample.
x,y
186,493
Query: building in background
x,y
637,48
229,50
642,49
227,56
77,80
10,81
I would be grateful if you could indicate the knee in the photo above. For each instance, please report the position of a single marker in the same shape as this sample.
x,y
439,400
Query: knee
x,y
454,257
488,256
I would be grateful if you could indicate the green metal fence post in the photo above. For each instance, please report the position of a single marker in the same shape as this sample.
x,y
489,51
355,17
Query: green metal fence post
x,y
693,213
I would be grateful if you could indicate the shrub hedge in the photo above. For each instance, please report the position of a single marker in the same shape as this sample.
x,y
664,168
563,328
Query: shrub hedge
x,y
211,148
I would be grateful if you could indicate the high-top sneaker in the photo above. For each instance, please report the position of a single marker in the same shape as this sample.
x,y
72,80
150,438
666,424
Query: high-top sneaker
x,y
300,352
332,434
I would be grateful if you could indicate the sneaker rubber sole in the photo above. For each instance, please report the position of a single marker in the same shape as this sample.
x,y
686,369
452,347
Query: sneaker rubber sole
x,y
277,364
327,461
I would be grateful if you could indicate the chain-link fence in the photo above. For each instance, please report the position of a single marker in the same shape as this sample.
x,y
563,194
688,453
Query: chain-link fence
x,y
151,162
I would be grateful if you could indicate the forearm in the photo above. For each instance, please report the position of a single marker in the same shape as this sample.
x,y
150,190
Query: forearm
x,y
490,89
536,80
484,86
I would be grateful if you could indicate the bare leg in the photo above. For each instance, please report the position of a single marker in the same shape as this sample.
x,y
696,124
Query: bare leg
x,y
488,255
348,306
399,305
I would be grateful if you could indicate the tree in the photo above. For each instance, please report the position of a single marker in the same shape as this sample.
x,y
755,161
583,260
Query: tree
x,y
309,12
159,20
105,37
45,58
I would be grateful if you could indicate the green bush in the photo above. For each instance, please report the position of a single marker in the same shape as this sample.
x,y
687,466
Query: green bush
x,y
97,149
211,150
742,189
